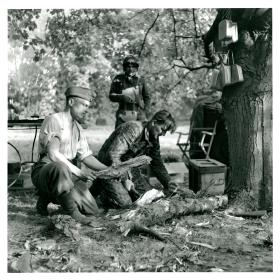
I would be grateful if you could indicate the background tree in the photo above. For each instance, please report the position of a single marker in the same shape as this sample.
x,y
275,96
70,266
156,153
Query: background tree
x,y
50,49
88,46
248,105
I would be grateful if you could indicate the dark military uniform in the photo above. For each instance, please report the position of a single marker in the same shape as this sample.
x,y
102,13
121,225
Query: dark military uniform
x,y
129,140
126,111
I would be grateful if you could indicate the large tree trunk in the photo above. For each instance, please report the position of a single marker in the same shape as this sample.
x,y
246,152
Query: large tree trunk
x,y
248,115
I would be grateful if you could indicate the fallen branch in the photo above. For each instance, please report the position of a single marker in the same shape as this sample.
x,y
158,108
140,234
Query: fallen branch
x,y
122,168
252,214
136,228
163,210
139,220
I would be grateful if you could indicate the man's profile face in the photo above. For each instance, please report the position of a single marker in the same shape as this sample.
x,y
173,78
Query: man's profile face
x,y
79,108
159,129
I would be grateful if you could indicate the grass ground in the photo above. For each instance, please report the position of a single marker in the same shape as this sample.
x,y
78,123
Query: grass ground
x,y
34,245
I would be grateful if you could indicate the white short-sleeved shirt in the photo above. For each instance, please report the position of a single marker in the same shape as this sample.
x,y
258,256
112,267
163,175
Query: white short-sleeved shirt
x,y
73,142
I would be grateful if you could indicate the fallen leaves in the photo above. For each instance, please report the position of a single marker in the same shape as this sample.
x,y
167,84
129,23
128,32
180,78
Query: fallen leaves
x,y
53,249
66,225
22,264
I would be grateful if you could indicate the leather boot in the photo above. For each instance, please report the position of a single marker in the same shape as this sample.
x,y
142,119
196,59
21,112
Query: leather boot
x,y
42,206
69,206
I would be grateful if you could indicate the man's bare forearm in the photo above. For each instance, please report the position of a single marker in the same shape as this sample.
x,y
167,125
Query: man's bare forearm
x,y
93,163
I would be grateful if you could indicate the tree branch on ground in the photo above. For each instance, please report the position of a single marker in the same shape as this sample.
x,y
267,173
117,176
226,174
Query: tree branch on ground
x,y
149,29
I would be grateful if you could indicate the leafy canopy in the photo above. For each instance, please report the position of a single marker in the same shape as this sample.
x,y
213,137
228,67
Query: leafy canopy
x,y
51,49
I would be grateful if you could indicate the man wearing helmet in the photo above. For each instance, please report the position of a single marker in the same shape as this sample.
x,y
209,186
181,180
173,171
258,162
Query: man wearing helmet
x,y
130,91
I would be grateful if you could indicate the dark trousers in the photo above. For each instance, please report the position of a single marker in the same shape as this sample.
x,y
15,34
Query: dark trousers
x,y
111,193
55,179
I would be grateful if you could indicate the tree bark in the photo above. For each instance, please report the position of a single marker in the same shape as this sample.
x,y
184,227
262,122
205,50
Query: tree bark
x,y
248,114
157,213
140,218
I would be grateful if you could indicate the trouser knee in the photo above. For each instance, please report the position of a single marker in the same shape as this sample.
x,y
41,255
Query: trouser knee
x,y
114,195
54,179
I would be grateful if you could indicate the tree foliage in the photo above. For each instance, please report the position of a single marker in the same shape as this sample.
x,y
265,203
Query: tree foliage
x,y
51,49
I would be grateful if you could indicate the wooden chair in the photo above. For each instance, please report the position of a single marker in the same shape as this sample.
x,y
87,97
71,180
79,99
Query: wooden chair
x,y
196,148
206,122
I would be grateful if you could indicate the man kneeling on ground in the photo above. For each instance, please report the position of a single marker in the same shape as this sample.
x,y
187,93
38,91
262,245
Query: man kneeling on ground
x,y
129,140
62,142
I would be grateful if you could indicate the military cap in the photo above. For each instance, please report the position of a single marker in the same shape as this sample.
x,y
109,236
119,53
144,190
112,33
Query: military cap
x,y
81,92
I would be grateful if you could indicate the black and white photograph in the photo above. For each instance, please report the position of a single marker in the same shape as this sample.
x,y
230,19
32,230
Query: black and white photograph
x,y
139,140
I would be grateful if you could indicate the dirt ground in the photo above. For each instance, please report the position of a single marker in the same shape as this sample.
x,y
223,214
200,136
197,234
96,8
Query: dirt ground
x,y
224,244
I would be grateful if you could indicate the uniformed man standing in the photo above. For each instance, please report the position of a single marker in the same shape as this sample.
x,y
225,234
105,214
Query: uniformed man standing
x,y
130,91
